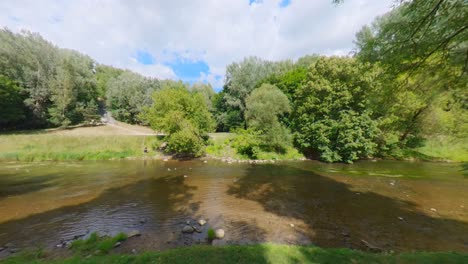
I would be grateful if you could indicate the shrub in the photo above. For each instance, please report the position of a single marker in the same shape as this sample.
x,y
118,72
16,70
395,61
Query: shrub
x,y
211,235
185,142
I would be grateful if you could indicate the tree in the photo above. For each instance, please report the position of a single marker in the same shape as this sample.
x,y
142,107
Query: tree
x,y
183,115
242,78
11,105
331,119
128,94
263,108
422,49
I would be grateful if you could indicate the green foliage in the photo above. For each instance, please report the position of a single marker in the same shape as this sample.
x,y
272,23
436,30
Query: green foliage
x,y
11,104
185,141
128,94
247,142
263,108
94,243
52,82
243,77
422,50
210,235
183,115
331,117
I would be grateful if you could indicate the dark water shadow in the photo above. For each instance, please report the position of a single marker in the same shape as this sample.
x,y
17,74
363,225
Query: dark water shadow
x,y
155,206
12,185
336,216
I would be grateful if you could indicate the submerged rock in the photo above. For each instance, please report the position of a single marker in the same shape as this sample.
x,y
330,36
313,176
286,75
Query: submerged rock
x,y
219,233
371,247
133,233
201,222
196,229
187,229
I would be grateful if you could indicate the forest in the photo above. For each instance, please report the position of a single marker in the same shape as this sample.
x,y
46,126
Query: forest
x,y
405,83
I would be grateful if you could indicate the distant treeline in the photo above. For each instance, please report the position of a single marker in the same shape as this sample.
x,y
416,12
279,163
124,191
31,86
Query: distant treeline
x,y
406,81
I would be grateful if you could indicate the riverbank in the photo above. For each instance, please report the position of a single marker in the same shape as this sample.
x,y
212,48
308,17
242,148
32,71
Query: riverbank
x,y
262,253
123,141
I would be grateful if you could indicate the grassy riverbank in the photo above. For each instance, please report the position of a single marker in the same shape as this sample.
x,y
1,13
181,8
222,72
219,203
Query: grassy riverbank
x,y
125,141
96,143
263,253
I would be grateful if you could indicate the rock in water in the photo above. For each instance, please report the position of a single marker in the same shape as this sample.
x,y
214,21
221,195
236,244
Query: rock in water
x,y
133,233
370,246
219,234
201,222
187,229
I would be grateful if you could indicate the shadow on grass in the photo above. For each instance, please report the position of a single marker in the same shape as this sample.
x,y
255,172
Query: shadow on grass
x,y
336,216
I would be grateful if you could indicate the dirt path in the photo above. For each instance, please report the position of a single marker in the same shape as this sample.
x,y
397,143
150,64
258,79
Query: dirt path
x,y
126,129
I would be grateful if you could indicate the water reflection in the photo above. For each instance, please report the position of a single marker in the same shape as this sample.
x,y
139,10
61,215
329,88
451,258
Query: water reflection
x,y
295,203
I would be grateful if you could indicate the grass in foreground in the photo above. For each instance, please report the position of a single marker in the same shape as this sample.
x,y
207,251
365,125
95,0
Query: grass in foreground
x,y
41,147
263,253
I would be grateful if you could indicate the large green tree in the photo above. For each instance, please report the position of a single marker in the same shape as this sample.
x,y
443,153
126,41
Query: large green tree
x,y
331,118
264,106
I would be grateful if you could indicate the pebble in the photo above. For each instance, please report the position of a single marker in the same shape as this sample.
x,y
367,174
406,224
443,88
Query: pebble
x,y
185,176
401,218
205,161
134,251
219,233
201,222
117,244
164,159
433,210
291,225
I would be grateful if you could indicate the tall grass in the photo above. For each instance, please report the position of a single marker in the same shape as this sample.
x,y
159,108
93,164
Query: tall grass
x,y
40,147
447,148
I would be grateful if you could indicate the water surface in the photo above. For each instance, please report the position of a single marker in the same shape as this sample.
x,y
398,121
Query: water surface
x,y
392,205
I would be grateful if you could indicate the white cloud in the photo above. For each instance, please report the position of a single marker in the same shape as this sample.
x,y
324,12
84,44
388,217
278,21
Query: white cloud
x,y
217,32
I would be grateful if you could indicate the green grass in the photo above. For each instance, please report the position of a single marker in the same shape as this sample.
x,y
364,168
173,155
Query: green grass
x,y
210,235
95,243
263,253
40,147
445,148
220,147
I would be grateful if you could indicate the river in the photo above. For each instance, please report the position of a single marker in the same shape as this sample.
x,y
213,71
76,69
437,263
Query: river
x,y
392,205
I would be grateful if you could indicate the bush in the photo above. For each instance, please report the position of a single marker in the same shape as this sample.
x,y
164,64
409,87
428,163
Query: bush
x,y
247,142
185,142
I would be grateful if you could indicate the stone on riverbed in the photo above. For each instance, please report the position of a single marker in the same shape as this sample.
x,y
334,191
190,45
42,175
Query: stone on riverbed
x,y
117,244
201,222
187,229
219,233
133,233
371,247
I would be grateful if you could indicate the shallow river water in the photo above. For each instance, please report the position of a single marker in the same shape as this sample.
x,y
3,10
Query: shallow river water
x,y
400,206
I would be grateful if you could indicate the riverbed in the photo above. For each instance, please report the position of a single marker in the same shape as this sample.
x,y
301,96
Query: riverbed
x,y
385,205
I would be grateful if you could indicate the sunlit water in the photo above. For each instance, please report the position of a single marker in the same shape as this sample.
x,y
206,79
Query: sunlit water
x,y
392,205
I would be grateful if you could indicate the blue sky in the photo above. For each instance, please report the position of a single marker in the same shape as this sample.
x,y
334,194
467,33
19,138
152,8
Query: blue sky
x,y
193,40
